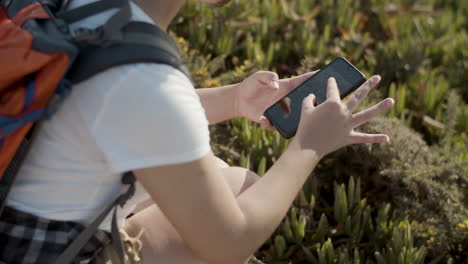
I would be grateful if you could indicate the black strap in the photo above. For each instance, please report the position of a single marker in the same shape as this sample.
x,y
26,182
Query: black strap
x,y
55,5
12,7
5,3
80,241
142,42
15,6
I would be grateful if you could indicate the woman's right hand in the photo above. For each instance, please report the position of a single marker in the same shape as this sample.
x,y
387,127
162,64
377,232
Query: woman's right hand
x,y
330,125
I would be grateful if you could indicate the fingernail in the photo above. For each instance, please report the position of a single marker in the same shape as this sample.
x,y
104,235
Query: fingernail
x,y
275,83
375,79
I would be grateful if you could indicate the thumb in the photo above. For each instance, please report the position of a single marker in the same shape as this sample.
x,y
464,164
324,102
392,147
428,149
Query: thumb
x,y
309,102
269,78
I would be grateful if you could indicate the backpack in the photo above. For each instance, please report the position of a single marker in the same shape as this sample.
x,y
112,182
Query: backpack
x,y
41,59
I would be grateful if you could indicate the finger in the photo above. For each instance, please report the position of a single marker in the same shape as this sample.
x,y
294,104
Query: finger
x,y
332,90
356,98
266,124
298,80
366,115
268,78
360,138
309,102
287,85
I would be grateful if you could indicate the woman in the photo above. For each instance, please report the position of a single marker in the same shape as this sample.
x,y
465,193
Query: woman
x,y
147,118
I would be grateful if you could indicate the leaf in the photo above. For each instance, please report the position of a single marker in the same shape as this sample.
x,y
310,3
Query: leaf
x,y
280,245
286,230
379,258
261,167
309,256
302,199
351,192
312,201
329,251
341,205
356,257
300,232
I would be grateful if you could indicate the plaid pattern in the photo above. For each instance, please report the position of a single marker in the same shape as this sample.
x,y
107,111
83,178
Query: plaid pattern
x,y
27,239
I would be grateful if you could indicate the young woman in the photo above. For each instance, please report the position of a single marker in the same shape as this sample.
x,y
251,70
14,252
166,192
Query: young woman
x,y
149,119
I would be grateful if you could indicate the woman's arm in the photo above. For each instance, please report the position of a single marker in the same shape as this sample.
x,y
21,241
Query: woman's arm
x,y
216,225
219,102
249,98
222,228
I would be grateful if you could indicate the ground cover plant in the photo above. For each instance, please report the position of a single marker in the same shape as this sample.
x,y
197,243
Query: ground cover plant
x,y
401,202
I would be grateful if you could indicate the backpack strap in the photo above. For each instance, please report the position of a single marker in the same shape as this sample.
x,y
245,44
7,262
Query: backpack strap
x,y
55,5
142,42
80,241
117,42
113,44
10,173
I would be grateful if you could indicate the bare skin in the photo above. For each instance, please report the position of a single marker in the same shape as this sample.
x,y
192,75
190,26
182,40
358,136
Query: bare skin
x,y
161,241
199,203
203,214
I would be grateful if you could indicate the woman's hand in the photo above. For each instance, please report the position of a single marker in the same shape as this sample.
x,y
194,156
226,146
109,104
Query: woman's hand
x,y
330,125
261,90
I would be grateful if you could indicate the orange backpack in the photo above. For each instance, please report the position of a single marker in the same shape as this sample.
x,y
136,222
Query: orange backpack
x,y
41,59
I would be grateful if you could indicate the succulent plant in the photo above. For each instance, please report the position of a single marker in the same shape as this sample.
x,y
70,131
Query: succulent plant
x,y
352,235
417,182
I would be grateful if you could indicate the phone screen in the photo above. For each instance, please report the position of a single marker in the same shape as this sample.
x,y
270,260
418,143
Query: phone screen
x,y
286,113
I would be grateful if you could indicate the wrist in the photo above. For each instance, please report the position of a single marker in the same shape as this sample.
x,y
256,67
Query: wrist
x,y
234,93
297,146
220,103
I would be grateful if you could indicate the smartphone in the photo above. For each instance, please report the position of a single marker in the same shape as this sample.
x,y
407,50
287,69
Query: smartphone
x,y
286,113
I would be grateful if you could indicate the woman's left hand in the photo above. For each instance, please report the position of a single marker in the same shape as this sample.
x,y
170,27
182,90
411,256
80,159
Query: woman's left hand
x,y
261,90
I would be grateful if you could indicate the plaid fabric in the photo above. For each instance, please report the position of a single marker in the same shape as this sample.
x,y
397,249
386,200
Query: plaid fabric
x,y
27,239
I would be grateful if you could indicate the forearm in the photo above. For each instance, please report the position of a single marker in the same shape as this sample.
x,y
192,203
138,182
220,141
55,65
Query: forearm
x,y
266,202
219,103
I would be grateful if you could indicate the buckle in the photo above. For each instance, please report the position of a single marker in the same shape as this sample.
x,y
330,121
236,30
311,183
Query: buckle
x,y
86,34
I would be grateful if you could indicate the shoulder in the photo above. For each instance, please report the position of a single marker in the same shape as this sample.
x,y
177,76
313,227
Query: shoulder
x,y
151,116
140,87
148,82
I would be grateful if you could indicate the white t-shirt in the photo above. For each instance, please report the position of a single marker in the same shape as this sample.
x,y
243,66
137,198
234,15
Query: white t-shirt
x,y
126,118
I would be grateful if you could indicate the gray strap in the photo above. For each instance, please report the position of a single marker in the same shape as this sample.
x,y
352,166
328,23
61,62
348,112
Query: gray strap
x,y
12,170
112,29
116,240
80,241
150,40
94,8
108,33
5,3
127,178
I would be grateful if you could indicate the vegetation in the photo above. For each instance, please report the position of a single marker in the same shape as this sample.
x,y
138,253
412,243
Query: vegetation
x,y
403,202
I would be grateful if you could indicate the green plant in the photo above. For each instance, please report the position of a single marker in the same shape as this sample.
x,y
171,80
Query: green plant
x,y
419,45
419,48
350,231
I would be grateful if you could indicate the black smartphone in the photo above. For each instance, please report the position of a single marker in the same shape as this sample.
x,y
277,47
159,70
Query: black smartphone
x,y
286,113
